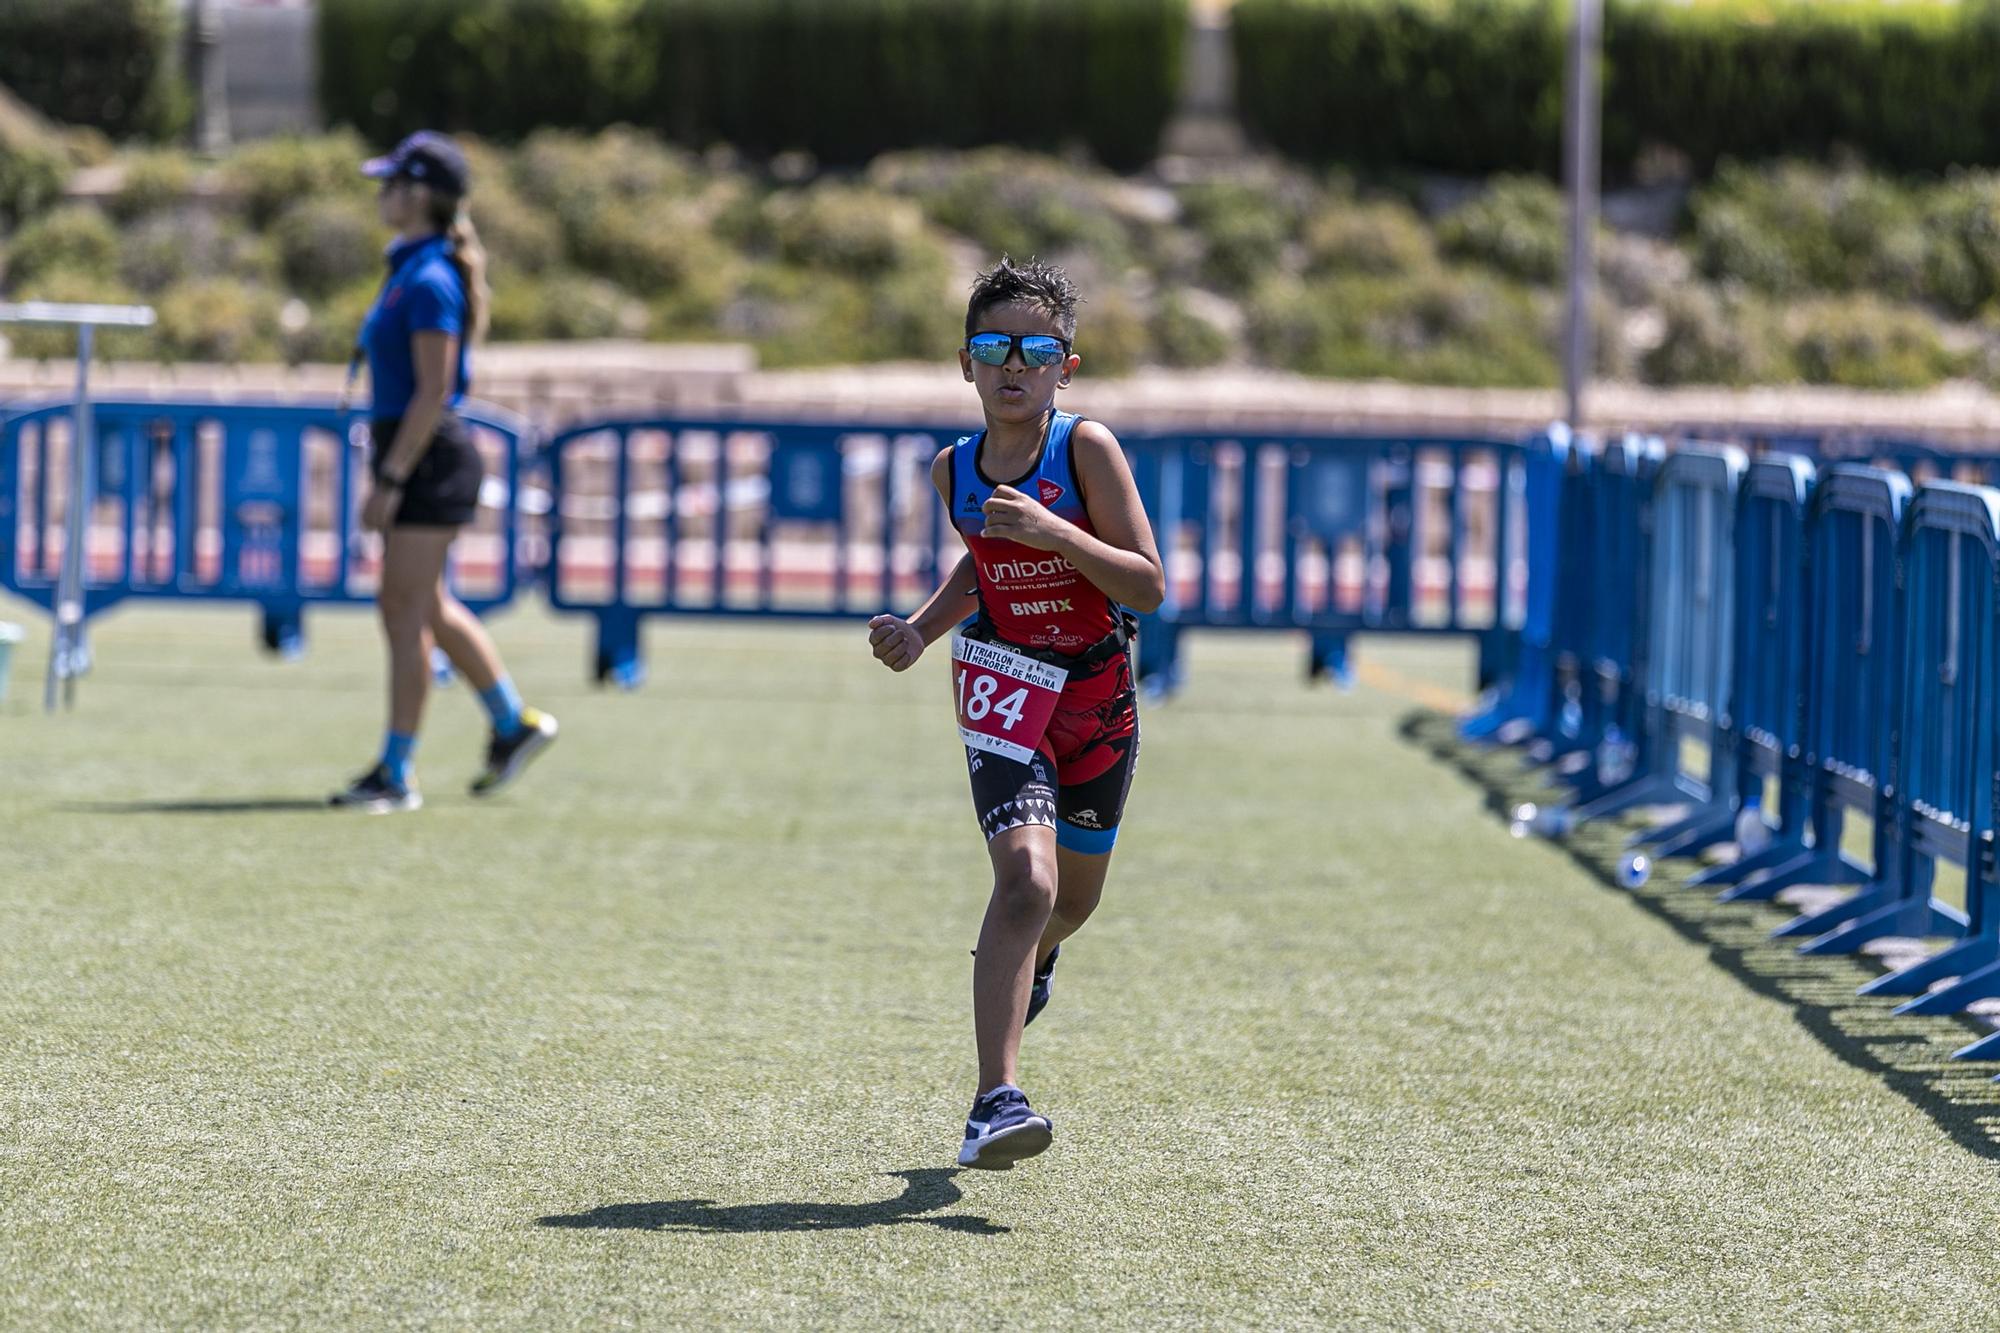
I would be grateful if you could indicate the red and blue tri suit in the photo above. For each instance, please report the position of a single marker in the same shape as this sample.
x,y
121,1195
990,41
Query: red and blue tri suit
x,y
1038,603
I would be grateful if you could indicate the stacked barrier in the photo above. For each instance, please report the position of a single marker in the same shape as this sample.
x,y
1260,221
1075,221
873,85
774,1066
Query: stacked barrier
x,y
1525,704
1612,634
1832,637
1850,690
1685,657
1770,638
1944,769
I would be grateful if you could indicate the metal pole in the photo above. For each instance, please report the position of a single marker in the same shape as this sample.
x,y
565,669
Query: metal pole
x,y
66,648
69,646
1581,113
210,79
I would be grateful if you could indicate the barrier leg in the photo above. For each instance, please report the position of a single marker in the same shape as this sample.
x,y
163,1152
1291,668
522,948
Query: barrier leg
x,y
1735,872
1918,978
1520,710
1986,1048
1655,789
1496,657
1703,829
618,657
1810,867
284,630
1328,656
1981,983
1873,896
1911,916
1159,667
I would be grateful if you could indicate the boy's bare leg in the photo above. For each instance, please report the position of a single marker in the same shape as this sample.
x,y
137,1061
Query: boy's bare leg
x,y
1079,887
1023,903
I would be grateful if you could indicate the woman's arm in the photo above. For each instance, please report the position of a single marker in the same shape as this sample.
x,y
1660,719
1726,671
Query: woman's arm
x,y
435,358
1121,558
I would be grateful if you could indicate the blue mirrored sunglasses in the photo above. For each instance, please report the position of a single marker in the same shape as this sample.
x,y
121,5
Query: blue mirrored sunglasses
x,y
1037,349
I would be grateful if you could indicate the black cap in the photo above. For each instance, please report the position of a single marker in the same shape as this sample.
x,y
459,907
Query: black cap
x,y
425,156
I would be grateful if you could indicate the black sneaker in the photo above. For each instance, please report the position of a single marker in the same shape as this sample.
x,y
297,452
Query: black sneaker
x,y
1038,994
507,756
1003,1129
376,793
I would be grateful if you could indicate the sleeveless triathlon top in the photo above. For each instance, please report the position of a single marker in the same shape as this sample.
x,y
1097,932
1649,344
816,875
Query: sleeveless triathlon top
x,y
1034,599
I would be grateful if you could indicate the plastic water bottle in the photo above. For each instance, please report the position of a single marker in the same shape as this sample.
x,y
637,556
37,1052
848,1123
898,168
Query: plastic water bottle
x,y
1614,757
1635,870
1753,835
1541,821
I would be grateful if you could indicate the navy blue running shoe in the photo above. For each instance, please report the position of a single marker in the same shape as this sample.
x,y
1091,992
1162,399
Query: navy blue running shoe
x,y
1002,1129
376,793
1038,994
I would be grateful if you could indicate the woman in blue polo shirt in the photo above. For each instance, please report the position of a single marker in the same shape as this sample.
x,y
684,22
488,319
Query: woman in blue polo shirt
x,y
426,468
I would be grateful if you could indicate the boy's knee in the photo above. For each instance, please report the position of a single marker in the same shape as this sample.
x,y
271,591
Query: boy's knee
x,y
1025,890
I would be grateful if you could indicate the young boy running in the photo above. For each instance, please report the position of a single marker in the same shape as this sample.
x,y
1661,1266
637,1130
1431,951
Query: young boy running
x,y
1058,547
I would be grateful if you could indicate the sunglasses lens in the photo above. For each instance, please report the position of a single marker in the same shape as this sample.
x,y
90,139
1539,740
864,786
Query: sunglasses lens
x,y
1042,351
992,348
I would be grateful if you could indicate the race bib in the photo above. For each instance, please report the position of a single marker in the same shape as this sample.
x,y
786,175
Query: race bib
x,y
1005,699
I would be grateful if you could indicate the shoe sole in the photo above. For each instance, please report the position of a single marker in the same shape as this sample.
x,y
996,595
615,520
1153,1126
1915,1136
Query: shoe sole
x,y
541,741
383,807
1001,1151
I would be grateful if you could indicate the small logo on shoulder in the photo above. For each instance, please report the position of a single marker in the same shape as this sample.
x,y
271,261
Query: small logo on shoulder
x,y
1051,492
971,500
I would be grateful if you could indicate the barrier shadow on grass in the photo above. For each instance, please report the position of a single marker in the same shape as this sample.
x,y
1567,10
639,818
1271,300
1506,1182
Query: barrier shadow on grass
x,y
925,1191
274,805
1911,1055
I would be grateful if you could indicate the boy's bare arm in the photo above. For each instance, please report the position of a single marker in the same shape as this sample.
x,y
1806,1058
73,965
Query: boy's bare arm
x,y
898,643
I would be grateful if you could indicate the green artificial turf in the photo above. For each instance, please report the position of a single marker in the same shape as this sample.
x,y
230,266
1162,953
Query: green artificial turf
x,y
677,1032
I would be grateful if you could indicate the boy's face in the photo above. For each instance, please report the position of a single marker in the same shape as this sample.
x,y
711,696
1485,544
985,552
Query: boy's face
x,y
1017,392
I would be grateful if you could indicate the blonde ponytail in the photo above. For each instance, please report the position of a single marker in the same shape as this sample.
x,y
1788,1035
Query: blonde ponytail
x,y
468,256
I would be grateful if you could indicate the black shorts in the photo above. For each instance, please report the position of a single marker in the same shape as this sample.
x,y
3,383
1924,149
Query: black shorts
x,y
1081,773
443,491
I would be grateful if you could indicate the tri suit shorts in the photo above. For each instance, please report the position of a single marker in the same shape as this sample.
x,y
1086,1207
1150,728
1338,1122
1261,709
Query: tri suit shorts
x,y
1081,773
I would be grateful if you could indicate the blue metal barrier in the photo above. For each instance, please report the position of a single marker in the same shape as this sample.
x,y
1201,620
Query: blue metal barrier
x,y
1945,771
1577,527
1523,701
1767,696
1330,536
1333,536
1688,653
1846,611
1613,635
657,516
235,502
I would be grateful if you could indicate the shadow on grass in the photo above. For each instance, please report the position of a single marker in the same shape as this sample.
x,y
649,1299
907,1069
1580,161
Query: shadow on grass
x,y
924,1192
1912,1055
277,805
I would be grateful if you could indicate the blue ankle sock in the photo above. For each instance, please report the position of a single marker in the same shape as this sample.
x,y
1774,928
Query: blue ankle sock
x,y
503,705
397,753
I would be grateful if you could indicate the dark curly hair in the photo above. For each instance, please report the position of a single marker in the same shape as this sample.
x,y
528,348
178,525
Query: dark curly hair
x,y
1034,283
